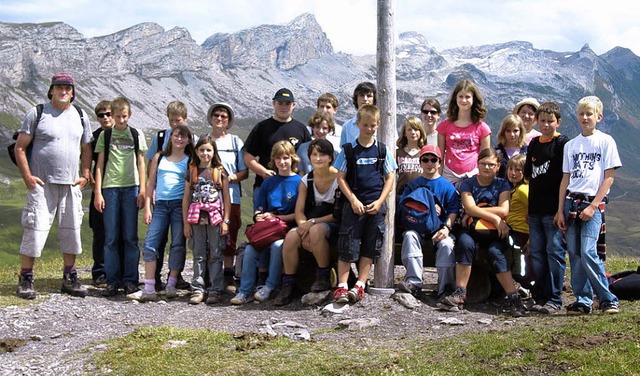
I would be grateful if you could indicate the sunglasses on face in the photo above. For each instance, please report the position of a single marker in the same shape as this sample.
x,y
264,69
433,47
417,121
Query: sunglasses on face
x,y
427,159
430,112
104,115
221,116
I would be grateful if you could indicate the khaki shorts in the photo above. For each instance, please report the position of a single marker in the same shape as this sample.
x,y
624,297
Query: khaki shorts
x,y
44,204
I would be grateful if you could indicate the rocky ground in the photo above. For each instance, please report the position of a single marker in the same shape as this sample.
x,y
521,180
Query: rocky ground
x,y
58,334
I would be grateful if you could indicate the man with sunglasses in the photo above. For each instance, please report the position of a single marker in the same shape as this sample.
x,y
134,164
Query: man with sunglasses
x,y
414,245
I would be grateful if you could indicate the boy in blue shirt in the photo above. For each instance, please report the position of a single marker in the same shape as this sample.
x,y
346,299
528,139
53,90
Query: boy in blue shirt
x,y
589,164
365,189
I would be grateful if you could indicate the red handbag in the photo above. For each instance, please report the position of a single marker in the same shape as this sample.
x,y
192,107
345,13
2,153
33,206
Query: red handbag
x,y
262,234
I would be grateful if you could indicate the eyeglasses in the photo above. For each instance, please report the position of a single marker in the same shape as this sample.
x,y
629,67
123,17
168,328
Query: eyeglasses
x,y
489,165
221,116
104,115
430,112
427,160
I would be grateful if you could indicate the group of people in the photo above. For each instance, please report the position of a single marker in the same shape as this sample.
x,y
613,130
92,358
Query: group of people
x,y
329,184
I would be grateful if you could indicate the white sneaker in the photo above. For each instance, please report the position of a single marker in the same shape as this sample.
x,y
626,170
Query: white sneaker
x,y
241,298
263,293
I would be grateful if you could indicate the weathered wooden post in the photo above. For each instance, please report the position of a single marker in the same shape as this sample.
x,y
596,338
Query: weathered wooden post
x,y
387,133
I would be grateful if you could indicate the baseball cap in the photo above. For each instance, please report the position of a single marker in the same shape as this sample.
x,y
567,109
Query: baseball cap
x,y
530,101
224,105
284,95
430,149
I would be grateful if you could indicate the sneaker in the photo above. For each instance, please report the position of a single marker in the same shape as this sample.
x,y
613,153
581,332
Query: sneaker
x,y
170,291
341,295
131,288
321,284
285,295
146,296
576,308
406,286
356,294
25,287
100,282
513,306
71,285
214,298
241,299
181,284
110,291
610,308
549,309
455,299
196,298
262,294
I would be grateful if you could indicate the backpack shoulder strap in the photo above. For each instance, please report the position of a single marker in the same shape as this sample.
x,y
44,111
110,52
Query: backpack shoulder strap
x,y
107,142
382,155
193,174
161,135
311,196
136,141
351,164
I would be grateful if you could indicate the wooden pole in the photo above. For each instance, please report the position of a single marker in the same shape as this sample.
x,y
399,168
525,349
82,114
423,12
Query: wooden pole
x,y
387,133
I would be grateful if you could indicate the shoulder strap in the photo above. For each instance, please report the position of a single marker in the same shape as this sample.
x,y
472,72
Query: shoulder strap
x,y
107,142
382,155
136,141
161,135
193,174
351,164
311,196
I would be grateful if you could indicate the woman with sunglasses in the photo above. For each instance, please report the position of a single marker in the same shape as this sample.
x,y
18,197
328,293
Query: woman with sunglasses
x,y
430,113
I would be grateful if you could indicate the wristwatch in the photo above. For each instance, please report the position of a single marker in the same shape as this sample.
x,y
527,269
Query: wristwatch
x,y
227,221
313,221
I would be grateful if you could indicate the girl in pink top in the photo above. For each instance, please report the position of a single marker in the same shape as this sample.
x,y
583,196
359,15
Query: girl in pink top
x,y
464,133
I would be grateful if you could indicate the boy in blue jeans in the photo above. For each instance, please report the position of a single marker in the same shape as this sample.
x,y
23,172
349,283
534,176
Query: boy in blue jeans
x,y
589,164
365,189
543,168
119,194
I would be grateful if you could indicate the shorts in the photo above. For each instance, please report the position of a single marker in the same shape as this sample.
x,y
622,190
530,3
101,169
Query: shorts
x,y
361,235
44,204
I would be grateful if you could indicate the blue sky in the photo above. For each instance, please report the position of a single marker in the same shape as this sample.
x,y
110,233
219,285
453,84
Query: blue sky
x,y
559,25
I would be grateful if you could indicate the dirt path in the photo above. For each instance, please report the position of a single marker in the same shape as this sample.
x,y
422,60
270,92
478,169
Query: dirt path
x,y
58,334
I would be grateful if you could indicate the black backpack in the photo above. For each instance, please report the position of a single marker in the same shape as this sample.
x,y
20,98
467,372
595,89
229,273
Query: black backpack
x,y
11,149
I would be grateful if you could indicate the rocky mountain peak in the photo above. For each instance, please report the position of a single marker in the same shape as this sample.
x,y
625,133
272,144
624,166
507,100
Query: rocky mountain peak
x,y
271,46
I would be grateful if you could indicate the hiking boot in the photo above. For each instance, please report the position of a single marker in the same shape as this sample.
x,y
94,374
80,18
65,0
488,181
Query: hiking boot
x,y
100,282
285,295
110,291
513,305
170,291
263,294
241,299
196,298
146,296
71,285
341,295
131,288
356,294
214,298
321,284
610,308
408,287
25,287
181,284
576,308
456,299
549,309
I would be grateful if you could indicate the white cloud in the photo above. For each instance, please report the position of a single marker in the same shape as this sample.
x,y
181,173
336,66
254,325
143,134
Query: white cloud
x,y
351,25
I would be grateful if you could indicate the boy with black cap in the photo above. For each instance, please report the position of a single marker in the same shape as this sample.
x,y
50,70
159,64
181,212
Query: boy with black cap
x,y
281,126
51,175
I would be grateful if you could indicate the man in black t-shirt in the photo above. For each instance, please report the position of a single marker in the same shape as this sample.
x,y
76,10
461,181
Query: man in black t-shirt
x,y
281,126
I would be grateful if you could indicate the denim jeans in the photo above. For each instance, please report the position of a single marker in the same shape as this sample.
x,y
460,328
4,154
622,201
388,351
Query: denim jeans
x,y
466,249
207,253
587,269
413,258
120,218
250,262
548,257
167,214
